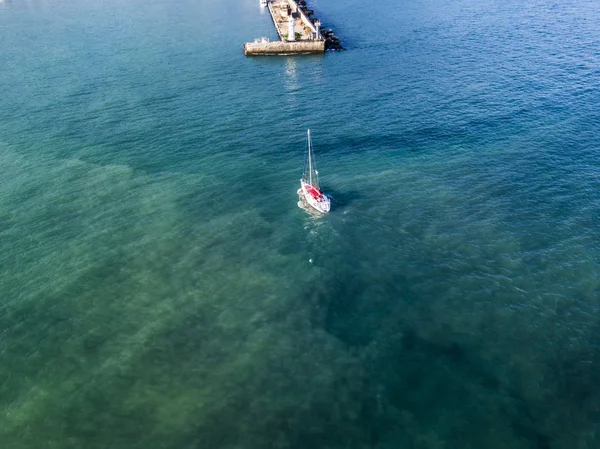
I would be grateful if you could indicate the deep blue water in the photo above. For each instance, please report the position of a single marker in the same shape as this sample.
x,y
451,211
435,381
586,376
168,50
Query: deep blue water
x,y
160,287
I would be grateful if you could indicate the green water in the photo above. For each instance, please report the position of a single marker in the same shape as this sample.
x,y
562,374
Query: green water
x,y
160,287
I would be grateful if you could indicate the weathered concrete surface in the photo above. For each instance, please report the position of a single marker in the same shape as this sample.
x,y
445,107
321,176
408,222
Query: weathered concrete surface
x,y
311,30
284,48
302,25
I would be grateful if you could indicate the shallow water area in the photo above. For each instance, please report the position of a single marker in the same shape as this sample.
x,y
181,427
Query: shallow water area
x,y
160,287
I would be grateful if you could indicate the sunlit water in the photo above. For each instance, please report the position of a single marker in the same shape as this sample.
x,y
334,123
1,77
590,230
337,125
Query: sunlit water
x,y
161,288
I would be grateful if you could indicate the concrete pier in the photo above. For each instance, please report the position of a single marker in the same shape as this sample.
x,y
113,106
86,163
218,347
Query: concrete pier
x,y
298,35
284,48
282,11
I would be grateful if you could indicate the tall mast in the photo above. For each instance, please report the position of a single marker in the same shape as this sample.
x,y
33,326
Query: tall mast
x,y
309,160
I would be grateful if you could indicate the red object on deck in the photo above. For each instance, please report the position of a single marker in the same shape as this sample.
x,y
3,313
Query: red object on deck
x,y
314,192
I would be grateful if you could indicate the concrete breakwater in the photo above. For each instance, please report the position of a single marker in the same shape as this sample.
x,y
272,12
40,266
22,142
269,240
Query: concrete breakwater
x,y
332,42
298,32
260,47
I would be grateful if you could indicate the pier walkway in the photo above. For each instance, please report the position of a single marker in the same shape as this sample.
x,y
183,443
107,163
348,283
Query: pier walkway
x,y
281,12
297,33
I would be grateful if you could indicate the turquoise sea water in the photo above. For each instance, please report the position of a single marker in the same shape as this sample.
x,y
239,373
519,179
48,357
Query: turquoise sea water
x,y
156,288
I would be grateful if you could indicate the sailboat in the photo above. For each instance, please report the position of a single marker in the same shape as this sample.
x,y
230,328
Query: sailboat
x,y
309,185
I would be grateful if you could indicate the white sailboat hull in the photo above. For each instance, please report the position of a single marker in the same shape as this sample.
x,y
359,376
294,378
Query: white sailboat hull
x,y
315,198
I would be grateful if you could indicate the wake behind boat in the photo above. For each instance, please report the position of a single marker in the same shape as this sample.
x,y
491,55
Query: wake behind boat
x,y
309,185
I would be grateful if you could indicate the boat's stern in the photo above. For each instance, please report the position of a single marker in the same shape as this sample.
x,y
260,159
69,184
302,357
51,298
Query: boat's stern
x,y
326,204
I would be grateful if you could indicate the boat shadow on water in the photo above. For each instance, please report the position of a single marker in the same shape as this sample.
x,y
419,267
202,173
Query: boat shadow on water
x,y
341,199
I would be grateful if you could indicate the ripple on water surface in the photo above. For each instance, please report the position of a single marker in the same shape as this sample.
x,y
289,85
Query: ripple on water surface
x,y
161,288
